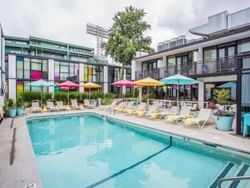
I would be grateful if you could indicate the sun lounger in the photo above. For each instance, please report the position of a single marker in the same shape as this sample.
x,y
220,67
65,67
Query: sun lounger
x,y
139,110
164,113
152,110
74,104
201,119
60,106
88,104
35,107
51,106
184,113
120,107
130,105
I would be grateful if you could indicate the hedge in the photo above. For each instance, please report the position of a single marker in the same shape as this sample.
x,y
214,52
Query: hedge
x,y
63,96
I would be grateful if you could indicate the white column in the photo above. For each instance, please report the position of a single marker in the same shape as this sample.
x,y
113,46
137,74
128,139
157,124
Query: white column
x,y
81,77
2,63
201,93
51,75
199,58
105,79
133,69
124,87
140,94
12,76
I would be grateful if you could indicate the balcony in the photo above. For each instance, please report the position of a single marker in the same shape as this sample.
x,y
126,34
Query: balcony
x,y
193,69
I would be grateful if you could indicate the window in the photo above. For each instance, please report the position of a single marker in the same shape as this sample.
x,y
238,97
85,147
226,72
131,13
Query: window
x,y
66,71
244,47
210,54
171,65
93,73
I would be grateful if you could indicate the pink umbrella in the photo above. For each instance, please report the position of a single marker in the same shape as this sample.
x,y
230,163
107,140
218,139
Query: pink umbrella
x,y
68,85
121,83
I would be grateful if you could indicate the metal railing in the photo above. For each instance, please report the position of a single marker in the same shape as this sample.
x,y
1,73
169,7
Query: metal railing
x,y
221,65
168,103
236,178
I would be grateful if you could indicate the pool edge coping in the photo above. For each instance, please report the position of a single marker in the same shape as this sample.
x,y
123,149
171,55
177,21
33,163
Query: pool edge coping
x,y
180,136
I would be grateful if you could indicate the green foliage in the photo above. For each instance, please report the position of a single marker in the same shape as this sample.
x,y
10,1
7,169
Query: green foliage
x,y
110,95
149,96
222,96
10,104
106,101
19,102
126,36
27,97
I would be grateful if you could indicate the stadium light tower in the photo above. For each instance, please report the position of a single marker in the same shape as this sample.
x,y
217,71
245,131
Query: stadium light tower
x,y
101,34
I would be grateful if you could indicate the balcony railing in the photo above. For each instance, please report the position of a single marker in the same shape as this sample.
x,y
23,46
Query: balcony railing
x,y
217,66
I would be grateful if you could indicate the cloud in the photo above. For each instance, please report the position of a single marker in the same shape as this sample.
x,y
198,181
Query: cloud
x,y
66,20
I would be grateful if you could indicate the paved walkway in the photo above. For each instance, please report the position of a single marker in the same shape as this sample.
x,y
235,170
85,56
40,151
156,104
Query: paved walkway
x,y
23,171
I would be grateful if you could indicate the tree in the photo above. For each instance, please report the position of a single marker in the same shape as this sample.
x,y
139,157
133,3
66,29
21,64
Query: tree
x,y
126,36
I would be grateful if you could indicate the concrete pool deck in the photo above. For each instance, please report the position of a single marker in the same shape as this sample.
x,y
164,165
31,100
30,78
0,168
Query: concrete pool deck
x,y
24,171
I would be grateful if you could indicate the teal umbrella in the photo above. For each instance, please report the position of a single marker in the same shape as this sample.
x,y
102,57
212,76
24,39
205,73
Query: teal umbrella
x,y
178,80
41,84
230,85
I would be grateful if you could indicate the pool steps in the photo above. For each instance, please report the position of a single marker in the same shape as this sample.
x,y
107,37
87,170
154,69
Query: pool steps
x,y
241,172
222,174
230,170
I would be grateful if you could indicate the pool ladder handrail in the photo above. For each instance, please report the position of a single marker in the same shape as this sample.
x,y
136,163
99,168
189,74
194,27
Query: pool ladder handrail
x,y
233,178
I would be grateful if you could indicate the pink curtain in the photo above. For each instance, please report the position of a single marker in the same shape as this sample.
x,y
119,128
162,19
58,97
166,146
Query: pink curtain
x,y
36,75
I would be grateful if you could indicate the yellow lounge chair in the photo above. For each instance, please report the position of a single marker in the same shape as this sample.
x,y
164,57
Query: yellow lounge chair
x,y
120,107
134,111
202,118
185,112
163,114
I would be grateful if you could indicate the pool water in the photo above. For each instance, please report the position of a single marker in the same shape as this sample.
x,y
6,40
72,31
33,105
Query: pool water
x,y
90,151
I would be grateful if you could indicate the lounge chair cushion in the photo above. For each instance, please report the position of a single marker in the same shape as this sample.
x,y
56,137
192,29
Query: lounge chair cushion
x,y
141,113
171,118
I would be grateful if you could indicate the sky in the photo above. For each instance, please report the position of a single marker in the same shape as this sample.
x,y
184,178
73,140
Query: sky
x,y
65,20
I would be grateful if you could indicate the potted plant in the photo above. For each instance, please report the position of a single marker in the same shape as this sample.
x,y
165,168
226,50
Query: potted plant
x,y
11,108
223,117
19,105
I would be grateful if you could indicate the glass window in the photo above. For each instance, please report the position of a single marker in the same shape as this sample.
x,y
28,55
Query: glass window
x,y
244,47
171,64
36,66
210,54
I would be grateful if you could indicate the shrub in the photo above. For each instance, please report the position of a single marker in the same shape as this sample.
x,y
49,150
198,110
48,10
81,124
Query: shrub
x,y
19,102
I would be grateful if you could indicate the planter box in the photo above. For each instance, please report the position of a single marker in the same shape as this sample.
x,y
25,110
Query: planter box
x,y
19,111
12,112
224,123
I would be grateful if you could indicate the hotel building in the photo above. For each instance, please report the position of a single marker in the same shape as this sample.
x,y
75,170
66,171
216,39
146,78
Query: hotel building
x,y
33,58
220,57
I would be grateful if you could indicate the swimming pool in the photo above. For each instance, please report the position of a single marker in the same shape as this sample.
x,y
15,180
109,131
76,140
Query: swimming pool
x,y
88,150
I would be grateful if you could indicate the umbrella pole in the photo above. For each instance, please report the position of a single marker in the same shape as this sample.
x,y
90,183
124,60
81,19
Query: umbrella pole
x,y
89,94
42,97
68,95
178,106
147,95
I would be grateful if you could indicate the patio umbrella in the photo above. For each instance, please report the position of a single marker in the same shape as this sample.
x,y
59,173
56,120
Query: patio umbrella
x,y
148,82
178,80
68,85
90,85
122,83
41,84
230,85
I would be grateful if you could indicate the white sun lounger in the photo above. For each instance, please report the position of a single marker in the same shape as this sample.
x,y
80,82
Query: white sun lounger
x,y
51,106
35,107
185,111
60,105
74,104
201,119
